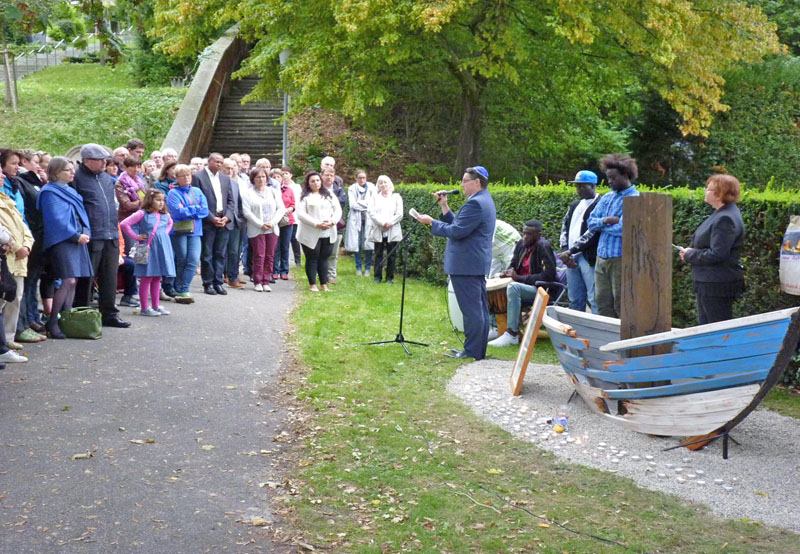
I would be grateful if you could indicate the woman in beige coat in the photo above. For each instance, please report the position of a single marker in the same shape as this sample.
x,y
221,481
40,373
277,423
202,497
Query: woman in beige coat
x,y
17,258
386,212
318,211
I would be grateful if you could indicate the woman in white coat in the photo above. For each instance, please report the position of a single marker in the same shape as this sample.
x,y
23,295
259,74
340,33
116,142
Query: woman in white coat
x,y
318,211
263,209
386,212
356,238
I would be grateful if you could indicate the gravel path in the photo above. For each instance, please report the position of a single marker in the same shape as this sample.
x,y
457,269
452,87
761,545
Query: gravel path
x,y
758,481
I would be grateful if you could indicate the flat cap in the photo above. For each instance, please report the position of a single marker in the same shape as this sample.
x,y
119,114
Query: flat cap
x,y
91,151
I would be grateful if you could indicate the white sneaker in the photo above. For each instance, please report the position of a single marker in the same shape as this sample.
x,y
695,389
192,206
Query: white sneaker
x,y
162,310
493,333
12,357
267,288
259,288
150,312
506,339
358,272
366,273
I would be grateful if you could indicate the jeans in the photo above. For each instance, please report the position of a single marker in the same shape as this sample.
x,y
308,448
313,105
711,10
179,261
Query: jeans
x,y
362,235
214,251
187,256
281,263
317,260
580,285
608,285
234,254
516,293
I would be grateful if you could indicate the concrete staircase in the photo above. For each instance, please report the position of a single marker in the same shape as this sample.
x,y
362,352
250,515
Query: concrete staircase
x,y
253,128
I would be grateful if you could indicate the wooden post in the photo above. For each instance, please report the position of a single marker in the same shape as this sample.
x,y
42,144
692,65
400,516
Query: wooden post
x,y
646,303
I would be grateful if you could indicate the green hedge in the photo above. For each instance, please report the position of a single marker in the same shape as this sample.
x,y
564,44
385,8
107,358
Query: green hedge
x,y
766,215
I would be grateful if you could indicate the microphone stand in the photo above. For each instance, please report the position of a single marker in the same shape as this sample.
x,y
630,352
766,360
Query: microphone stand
x,y
400,338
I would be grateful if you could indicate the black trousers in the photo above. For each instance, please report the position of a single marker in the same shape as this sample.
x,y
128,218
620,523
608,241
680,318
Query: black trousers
x,y
105,262
295,245
317,261
381,249
711,309
214,253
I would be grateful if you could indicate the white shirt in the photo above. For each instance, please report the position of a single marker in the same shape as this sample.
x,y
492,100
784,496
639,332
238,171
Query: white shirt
x,y
577,221
214,177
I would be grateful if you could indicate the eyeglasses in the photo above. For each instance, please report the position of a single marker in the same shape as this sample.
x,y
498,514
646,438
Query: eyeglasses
x,y
464,181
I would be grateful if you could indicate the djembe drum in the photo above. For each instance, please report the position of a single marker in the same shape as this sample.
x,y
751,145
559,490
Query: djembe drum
x,y
498,302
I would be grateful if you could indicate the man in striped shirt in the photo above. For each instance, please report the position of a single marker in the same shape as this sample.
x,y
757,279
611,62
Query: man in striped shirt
x,y
607,219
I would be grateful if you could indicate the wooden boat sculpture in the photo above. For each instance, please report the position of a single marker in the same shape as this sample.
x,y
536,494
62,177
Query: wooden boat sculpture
x,y
712,377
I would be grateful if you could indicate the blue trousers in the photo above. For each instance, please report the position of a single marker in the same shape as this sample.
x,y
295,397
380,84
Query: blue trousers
x,y
471,297
187,256
234,253
281,262
516,294
580,285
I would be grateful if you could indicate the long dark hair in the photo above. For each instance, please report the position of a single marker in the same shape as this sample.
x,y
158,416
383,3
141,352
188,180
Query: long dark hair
x,y
148,204
167,166
306,190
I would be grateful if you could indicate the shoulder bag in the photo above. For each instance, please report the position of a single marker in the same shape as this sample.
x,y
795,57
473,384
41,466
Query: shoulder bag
x,y
186,226
141,252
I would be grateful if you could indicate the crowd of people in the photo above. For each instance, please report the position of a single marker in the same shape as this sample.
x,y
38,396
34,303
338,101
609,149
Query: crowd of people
x,y
76,232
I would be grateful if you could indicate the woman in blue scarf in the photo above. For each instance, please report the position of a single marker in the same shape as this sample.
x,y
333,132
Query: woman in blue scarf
x,y
66,234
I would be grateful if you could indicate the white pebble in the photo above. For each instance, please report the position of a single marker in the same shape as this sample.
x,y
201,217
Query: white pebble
x,y
718,481
669,466
701,482
615,460
727,488
572,439
652,464
602,444
690,475
648,457
635,458
700,472
678,470
687,460
662,475
680,479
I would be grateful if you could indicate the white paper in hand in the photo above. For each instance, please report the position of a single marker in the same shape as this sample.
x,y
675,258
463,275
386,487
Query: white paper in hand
x,y
413,213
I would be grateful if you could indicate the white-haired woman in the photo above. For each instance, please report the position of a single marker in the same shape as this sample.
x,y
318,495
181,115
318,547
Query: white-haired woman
x,y
386,212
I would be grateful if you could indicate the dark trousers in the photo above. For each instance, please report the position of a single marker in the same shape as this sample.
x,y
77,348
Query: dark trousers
x,y
105,261
317,261
281,263
711,309
129,286
212,259
296,250
381,249
471,296
234,253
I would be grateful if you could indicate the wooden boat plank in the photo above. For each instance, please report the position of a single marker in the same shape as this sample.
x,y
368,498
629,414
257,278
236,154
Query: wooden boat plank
x,y
712,404
773,331
698,398
552,324
672,336
707,369
691,386
569,316
676,430
561,339
668,419
677,359
592,397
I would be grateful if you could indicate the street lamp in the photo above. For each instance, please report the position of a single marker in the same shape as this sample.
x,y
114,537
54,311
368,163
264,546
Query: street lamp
x,y
284,57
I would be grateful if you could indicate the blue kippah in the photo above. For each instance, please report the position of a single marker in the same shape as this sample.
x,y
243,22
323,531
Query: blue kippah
x,y
482,171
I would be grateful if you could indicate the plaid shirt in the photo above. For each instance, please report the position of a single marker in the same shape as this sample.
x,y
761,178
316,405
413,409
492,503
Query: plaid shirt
x,y
610,245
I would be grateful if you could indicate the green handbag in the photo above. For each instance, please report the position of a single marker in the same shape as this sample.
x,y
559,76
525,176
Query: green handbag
x,y
81,323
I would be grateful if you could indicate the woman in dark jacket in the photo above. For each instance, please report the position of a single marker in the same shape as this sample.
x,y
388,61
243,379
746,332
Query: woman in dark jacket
x,y
714,252
66,234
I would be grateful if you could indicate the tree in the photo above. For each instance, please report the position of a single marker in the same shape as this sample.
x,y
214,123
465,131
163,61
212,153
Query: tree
x,y
19,16
349,55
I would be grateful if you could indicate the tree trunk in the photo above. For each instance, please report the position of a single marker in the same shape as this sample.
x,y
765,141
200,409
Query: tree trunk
x,y
11,97
469,139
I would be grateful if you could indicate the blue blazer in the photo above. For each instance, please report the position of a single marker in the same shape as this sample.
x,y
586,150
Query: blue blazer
x,y
63,213
469,235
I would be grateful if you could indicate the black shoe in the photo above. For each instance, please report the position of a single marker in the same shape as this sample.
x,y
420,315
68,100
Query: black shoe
x,y
115,321
170,292
128,301
457,354
377,280
209,289
2,366
220,290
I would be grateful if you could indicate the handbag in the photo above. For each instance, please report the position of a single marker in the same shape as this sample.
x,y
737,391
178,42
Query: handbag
x,y
81,323
8,285
186,226
284,221
141,252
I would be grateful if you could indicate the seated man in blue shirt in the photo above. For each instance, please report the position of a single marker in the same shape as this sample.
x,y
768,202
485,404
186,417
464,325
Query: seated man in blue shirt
x,y
607,219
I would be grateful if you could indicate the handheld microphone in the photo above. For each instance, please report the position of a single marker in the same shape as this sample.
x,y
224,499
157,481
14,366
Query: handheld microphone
x,y
454,192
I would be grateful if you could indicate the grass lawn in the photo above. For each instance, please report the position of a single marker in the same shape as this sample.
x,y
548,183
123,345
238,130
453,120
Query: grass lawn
x,y
393,463
72,104
784,402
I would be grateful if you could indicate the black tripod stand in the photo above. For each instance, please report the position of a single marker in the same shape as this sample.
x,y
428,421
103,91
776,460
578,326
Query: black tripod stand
x,y
399,338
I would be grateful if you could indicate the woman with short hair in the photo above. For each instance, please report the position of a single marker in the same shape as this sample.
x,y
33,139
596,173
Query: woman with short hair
x,y
386,212
263,209
715,250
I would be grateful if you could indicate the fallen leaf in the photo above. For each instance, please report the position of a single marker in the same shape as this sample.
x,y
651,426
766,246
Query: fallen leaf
x,y
136,441
544,525
759,493
83,456
493,471
150,441
66,408
230,387
208,447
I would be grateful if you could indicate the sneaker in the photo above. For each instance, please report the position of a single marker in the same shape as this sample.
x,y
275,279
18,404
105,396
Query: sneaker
x,y
366,273
358,272
128,301
14,345
29,335
284,277
170,292
267,288
506,339
150,312
492,333
12,357
162,310
259,288
184,298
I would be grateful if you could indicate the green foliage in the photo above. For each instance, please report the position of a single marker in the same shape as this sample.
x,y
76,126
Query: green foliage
x,y
66,29
72,104
766,215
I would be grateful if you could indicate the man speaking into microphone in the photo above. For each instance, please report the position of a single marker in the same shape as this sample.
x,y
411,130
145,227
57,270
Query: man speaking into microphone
x,y
468,255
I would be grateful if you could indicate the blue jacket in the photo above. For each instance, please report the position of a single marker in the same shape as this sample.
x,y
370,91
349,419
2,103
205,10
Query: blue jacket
x,y
469,235
63,213
99,200
188,203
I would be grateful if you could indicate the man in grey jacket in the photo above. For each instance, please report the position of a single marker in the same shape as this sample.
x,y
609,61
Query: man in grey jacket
x,y
99,198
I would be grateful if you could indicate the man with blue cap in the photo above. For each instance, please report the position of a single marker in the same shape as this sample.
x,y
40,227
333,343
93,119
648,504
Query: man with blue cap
x,y
579,243
468,255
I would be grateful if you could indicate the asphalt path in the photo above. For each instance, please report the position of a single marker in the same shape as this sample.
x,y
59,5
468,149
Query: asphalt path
x,y
177,416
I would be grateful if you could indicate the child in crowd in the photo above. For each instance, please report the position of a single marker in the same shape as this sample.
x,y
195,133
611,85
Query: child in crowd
x,y
151,225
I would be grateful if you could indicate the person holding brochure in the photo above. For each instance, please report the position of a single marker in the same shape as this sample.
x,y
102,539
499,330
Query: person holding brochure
x,y
468,255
